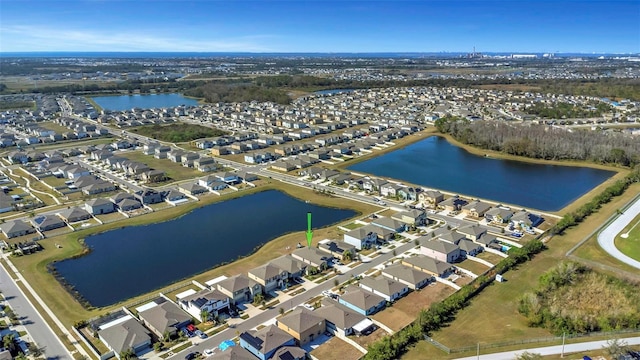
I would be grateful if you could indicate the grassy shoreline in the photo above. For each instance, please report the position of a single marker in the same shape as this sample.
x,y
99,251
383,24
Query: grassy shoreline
x,y
69,310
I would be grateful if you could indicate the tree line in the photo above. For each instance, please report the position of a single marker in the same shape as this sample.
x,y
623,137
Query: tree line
x,y
544,142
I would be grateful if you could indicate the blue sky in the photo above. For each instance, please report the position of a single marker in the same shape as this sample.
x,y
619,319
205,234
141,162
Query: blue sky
x,y
320,26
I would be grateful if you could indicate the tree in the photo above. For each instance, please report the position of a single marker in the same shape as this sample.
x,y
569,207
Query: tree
x,y
35,350
615,348
281,311
528,356
128,354
204,315
258,299
8,341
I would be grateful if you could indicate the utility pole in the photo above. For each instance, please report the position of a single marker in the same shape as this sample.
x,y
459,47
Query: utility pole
x,y
478,352
562,353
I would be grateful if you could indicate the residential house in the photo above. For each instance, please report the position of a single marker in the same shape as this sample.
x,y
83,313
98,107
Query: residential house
x,y
472,232
362,237
453,204
148,196
468,247
163,317
407,193
442,251
289,353
293,267
476,209
428,265
312,256
450,236
340,320
390,290
99,206
431,197
192,189
233,353
389,189
303,325
389,224
239,288
498,215
174,196
413,217
124,334
228,177
98,187
362,301
161,152
74,214
337,248
16,228
47,222
205,164
373,184
154,176
265,342
247,176
413,278
526,219
271,277
211,301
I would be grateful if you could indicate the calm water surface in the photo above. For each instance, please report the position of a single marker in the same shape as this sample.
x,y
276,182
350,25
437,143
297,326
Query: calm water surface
x,y
135,260
436,163
151,101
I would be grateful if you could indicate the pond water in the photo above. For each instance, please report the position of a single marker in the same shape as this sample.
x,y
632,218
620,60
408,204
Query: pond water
x,y
150,101
134,260
436,163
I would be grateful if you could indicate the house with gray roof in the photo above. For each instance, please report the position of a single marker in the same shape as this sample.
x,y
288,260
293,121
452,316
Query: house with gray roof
x,y
476,208
411,217
452,237
294,267
362,301
74,214
413,278
289,353
312,256
265,342
192,189
390,224
99,206
269,276
526,219
124,334
431,197
233,353
428,265
498,215
441,250
337,248
16,228
339,318
472,232
453,204
47,222
239,288
164,317
468,247
390,290
129,204
304,325
209,300
362,237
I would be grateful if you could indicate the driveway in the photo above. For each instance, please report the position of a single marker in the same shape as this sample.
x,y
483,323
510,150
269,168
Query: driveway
x,y
607,237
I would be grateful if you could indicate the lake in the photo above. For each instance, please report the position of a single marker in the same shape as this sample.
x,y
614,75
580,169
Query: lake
x,y
436,163
151,101
127,262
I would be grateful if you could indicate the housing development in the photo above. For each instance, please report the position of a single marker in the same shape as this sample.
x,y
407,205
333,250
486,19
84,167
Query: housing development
x,y
123,230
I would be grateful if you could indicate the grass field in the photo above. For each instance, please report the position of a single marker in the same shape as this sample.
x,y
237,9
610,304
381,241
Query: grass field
x,y
174,171
49,125
630,244
328,350
68,310
492,316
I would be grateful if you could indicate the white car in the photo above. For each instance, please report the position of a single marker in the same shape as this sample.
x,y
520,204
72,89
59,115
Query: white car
x,y
208,352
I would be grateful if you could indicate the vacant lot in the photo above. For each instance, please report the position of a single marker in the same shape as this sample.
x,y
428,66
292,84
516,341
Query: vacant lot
x,y
473,266
176,133
328,350
364,341
55,127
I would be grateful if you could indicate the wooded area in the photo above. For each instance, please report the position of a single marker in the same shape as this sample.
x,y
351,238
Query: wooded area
x,y
543,141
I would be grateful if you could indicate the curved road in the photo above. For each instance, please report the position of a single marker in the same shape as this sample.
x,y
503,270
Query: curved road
x,y
606,238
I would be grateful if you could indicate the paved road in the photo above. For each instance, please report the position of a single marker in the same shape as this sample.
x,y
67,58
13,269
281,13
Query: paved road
x,y
214,341
551,350
607,236
37,328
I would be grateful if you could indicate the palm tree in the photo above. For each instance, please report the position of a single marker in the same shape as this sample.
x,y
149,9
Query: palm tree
x,y
204,315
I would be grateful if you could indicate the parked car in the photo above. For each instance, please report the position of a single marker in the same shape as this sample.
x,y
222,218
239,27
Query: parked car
x,y
190,356
208,352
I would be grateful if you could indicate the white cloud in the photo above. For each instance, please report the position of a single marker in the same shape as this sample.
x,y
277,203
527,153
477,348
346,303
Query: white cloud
x,y
34,38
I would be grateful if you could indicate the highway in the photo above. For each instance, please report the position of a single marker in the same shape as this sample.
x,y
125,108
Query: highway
x,y
36,327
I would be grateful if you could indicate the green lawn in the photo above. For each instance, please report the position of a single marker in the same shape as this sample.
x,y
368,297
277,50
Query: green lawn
x,y
180,132
175,171
55,127
630,245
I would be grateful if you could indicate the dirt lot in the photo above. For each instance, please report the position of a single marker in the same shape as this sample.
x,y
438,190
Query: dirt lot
x,y
364,341
328,350
421,299
394,318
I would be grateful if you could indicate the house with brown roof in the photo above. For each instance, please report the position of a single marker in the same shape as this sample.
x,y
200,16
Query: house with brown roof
x,y
473,232
411,217
303,325
431,197
239,288
340,319
265,342
476,209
